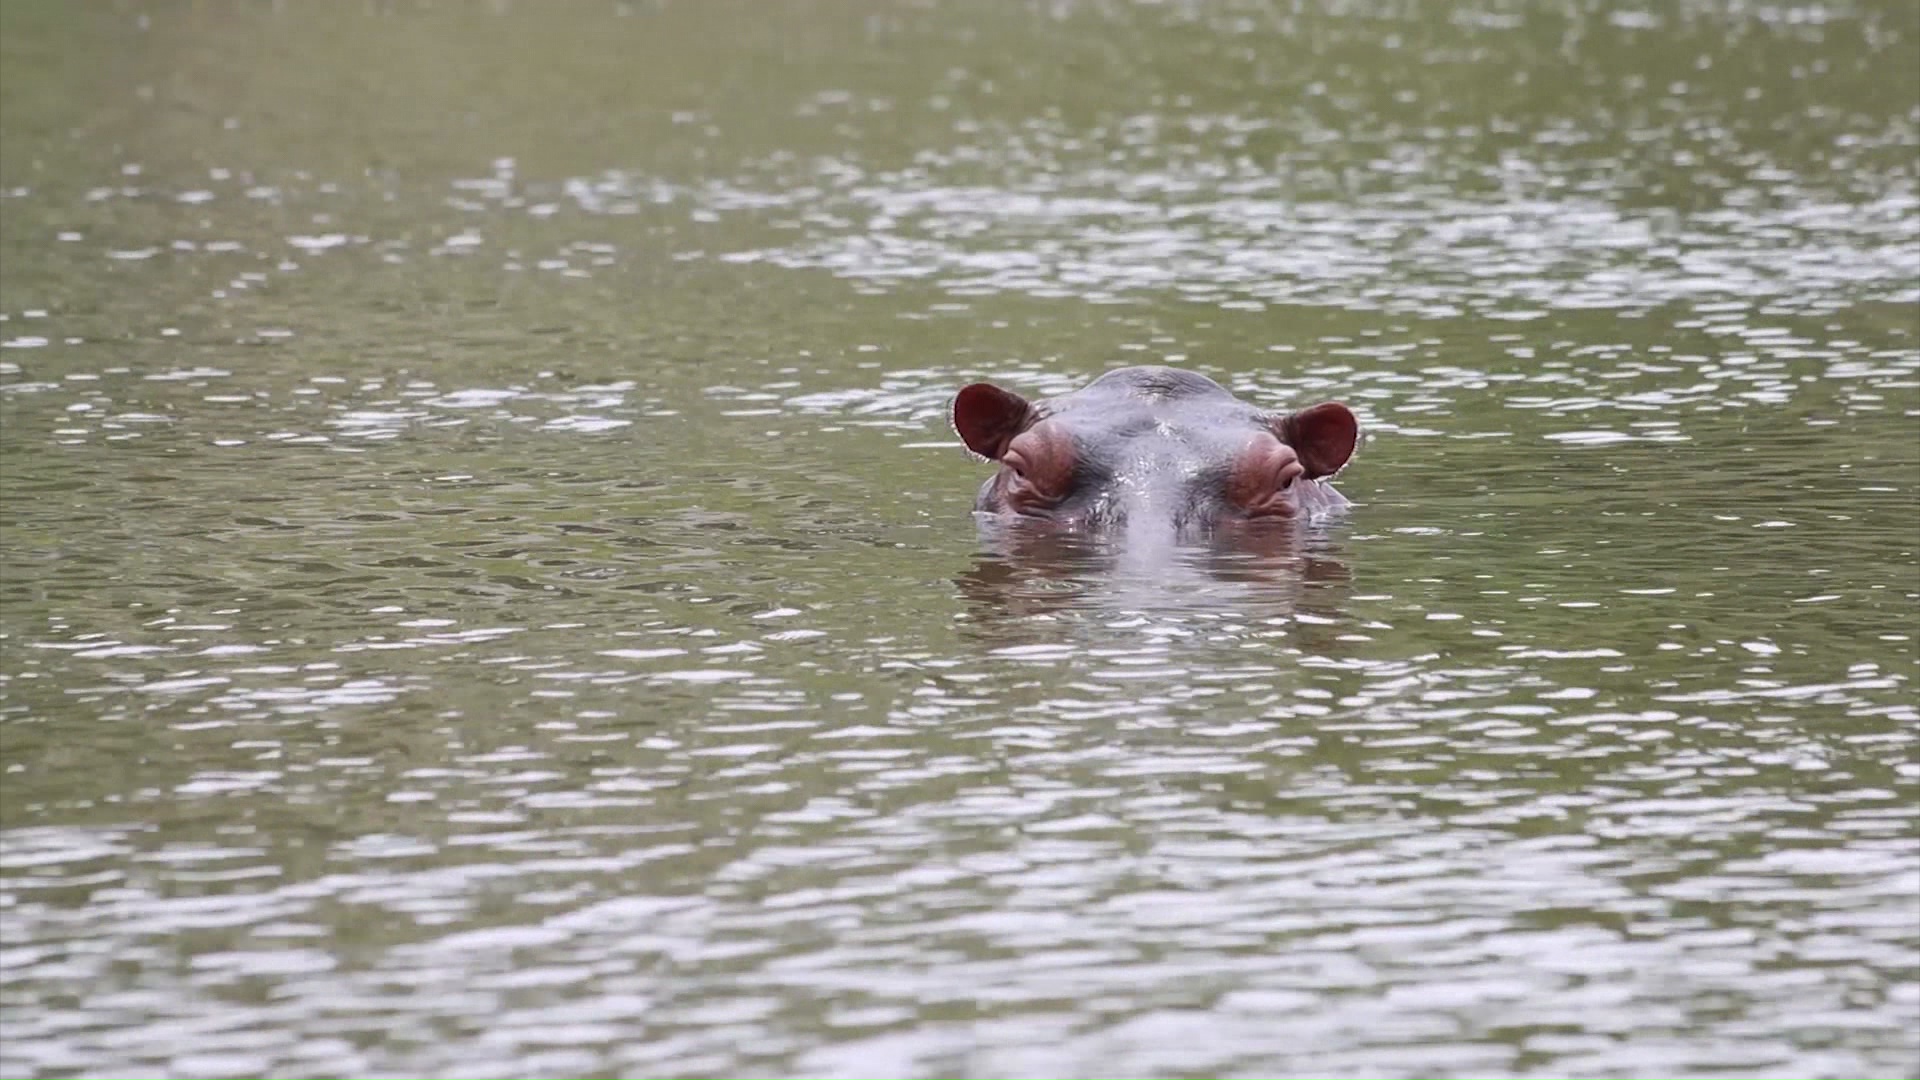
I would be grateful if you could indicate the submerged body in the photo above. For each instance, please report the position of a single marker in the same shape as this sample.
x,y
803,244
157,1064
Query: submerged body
x,y
1153,447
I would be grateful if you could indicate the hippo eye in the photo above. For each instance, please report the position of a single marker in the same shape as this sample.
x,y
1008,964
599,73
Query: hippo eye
x,y
1041,462
1289,472
1261,479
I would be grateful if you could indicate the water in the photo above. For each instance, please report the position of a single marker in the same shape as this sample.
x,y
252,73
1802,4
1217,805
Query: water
x,y
488,585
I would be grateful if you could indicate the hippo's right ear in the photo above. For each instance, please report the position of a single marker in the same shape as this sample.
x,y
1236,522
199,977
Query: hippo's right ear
x,y
987,418
1323,436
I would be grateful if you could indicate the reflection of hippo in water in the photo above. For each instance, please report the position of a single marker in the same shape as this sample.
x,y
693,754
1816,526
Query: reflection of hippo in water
x,y
1158,447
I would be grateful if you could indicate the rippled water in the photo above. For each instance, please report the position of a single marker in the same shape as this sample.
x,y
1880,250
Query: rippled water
x,y
488,585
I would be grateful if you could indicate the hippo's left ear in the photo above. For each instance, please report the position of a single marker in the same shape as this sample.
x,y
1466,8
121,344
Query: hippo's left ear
x,y
987,418
1323,436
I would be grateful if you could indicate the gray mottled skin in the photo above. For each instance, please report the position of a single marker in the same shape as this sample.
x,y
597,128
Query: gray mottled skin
x,y
1155,445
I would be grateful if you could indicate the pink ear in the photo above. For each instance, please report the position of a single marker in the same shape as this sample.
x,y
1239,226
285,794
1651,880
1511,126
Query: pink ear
x,y
987,418
1323,436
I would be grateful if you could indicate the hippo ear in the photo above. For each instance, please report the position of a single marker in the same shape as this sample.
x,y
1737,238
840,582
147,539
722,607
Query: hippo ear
x,y
1323,436
987,418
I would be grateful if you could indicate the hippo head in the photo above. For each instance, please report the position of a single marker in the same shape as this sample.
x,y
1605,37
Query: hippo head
x,y
1152,446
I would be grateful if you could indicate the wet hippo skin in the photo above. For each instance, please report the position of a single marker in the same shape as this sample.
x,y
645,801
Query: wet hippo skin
x,y
1153,448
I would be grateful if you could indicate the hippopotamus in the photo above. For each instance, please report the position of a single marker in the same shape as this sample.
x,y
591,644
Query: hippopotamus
x,y
1153,447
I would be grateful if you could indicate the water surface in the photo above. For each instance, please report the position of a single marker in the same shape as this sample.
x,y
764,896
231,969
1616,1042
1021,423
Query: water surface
x,y
488,585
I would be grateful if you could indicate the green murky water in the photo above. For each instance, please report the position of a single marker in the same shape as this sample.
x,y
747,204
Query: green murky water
x,y
488,587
